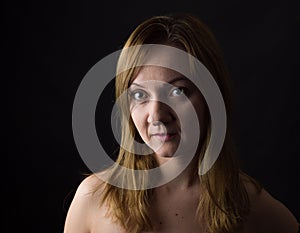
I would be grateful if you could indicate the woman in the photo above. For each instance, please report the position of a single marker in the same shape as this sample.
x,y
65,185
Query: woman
x,y
222,199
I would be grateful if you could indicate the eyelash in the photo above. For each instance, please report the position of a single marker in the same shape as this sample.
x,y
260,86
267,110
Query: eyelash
x,y
182,89
138,91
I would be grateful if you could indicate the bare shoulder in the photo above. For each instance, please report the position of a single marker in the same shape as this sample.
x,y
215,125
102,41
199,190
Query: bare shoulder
x,y
89,190
268,214
89,185
84,205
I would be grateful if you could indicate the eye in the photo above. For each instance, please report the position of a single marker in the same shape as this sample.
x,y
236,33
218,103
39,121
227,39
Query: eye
x,y
138,95
177,91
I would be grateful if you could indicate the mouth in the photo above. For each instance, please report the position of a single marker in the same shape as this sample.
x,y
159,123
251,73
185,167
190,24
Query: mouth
x,y
164,137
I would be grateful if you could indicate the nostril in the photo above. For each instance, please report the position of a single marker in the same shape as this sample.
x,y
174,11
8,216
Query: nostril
x,y
156,123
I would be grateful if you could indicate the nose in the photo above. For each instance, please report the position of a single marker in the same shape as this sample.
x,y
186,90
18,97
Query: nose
x,y
159,113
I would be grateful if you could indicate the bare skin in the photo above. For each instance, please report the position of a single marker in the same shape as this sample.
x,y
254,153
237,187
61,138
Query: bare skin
x,y
174,205
173,212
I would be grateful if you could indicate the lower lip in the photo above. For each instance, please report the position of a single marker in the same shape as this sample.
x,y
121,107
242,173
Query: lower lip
x,y
165,137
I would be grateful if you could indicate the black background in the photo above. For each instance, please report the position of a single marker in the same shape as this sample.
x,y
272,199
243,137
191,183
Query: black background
x,y
50,45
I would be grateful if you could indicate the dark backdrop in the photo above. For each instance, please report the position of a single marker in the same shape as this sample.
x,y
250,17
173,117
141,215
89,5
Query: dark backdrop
x,y
50,45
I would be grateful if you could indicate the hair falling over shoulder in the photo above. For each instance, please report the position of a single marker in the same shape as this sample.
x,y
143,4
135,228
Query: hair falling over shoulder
x,y
224,203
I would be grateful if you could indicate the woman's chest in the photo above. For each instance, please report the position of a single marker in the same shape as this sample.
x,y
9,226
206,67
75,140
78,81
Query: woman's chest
x,y
176,215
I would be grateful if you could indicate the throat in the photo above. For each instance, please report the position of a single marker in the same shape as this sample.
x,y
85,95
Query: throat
x,y
186,180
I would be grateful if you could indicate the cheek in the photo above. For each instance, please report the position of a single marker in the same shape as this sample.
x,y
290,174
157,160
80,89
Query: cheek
x,y
199,107
202,113
199,104
140,122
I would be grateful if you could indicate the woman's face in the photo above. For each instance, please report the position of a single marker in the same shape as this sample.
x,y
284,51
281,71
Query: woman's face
x,y
157,123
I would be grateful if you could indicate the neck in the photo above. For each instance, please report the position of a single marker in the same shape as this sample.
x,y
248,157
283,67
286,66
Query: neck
x,y
186,179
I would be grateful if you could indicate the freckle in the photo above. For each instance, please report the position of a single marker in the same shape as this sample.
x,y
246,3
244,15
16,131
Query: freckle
x,y
160,223
176,214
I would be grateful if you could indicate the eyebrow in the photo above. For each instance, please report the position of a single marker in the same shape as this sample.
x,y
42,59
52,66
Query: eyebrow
x,y
180,78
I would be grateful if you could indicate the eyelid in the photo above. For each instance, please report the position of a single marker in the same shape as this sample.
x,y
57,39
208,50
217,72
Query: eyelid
x,y
137,90
133,92
184,89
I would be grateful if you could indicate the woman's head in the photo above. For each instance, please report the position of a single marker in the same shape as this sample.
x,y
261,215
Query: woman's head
x,y
184,32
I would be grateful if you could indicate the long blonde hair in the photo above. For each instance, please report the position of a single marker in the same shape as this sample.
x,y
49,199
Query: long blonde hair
x,y
224,203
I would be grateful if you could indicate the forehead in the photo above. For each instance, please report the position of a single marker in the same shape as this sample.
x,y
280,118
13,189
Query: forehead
x,y
156,73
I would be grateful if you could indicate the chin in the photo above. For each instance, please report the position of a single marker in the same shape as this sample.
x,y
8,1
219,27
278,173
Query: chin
x,y
166,152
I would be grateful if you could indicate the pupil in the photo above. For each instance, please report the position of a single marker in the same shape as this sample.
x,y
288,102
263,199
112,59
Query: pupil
x,y
177,91
138,95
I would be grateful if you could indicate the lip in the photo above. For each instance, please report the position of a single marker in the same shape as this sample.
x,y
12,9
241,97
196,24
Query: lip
x,y
164,136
